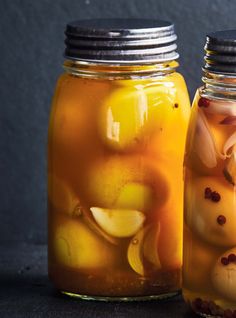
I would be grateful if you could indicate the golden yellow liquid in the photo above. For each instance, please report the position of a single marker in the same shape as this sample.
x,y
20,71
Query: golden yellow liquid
x,y
115,185
209,279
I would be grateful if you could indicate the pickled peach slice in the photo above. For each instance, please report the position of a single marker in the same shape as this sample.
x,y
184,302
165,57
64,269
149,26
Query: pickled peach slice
x,y
131,114
73,243
60,195
135,196
118,223
224,275
211,216
143,248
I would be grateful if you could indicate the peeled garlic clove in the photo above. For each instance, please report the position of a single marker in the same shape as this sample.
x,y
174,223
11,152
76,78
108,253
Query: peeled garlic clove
x,y
117,222
150,245
229,120
204,143
221,108
230,142
94,227
230,168
134,254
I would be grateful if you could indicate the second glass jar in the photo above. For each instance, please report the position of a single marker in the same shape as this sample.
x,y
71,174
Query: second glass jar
x,y
209,271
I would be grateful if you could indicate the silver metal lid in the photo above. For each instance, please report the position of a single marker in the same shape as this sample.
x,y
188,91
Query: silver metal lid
x,y
121,41
220,52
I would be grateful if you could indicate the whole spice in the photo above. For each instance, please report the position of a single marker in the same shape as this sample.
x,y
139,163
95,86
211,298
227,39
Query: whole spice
x,y
221,219
215,196
203,102
224,261
208,193
232,258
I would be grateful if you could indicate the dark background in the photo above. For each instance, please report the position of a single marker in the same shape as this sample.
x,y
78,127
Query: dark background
x,y
31,38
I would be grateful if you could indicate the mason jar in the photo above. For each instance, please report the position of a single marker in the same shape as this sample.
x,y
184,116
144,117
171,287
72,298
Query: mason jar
x,y
209,272
115,154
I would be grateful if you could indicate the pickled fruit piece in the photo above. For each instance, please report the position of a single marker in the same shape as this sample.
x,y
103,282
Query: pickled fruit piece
x,y
203,214
130,114
135,196
143,248
60,195
73,243
199,258
150,245
125,183
230,168
224,275
118,223
135,255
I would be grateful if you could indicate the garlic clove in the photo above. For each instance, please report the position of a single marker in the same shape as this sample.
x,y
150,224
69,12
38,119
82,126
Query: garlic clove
x,y
134,254
230,168
144,247
229,120
203,142
230,142
150,245
117,222
221,108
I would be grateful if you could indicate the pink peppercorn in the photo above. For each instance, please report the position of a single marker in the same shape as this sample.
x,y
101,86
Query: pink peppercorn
x,y
215,196
232,258
224,261
208,193
221,219
203,102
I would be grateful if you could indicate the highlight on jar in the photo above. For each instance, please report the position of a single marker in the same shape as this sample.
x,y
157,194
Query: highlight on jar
x,y
209,271
115,181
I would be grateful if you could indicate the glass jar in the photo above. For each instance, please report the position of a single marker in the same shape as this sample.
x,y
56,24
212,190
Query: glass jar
x,y
209,271
116,144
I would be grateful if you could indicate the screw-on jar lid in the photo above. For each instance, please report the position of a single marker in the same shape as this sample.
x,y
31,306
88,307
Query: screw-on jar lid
x,y
220,51
121,41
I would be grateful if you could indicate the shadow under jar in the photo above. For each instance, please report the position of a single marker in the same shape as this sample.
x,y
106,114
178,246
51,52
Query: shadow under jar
x,y
116,144
209,270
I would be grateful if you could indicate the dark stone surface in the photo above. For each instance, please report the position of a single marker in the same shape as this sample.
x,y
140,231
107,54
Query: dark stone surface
x,y
31,55
26,292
